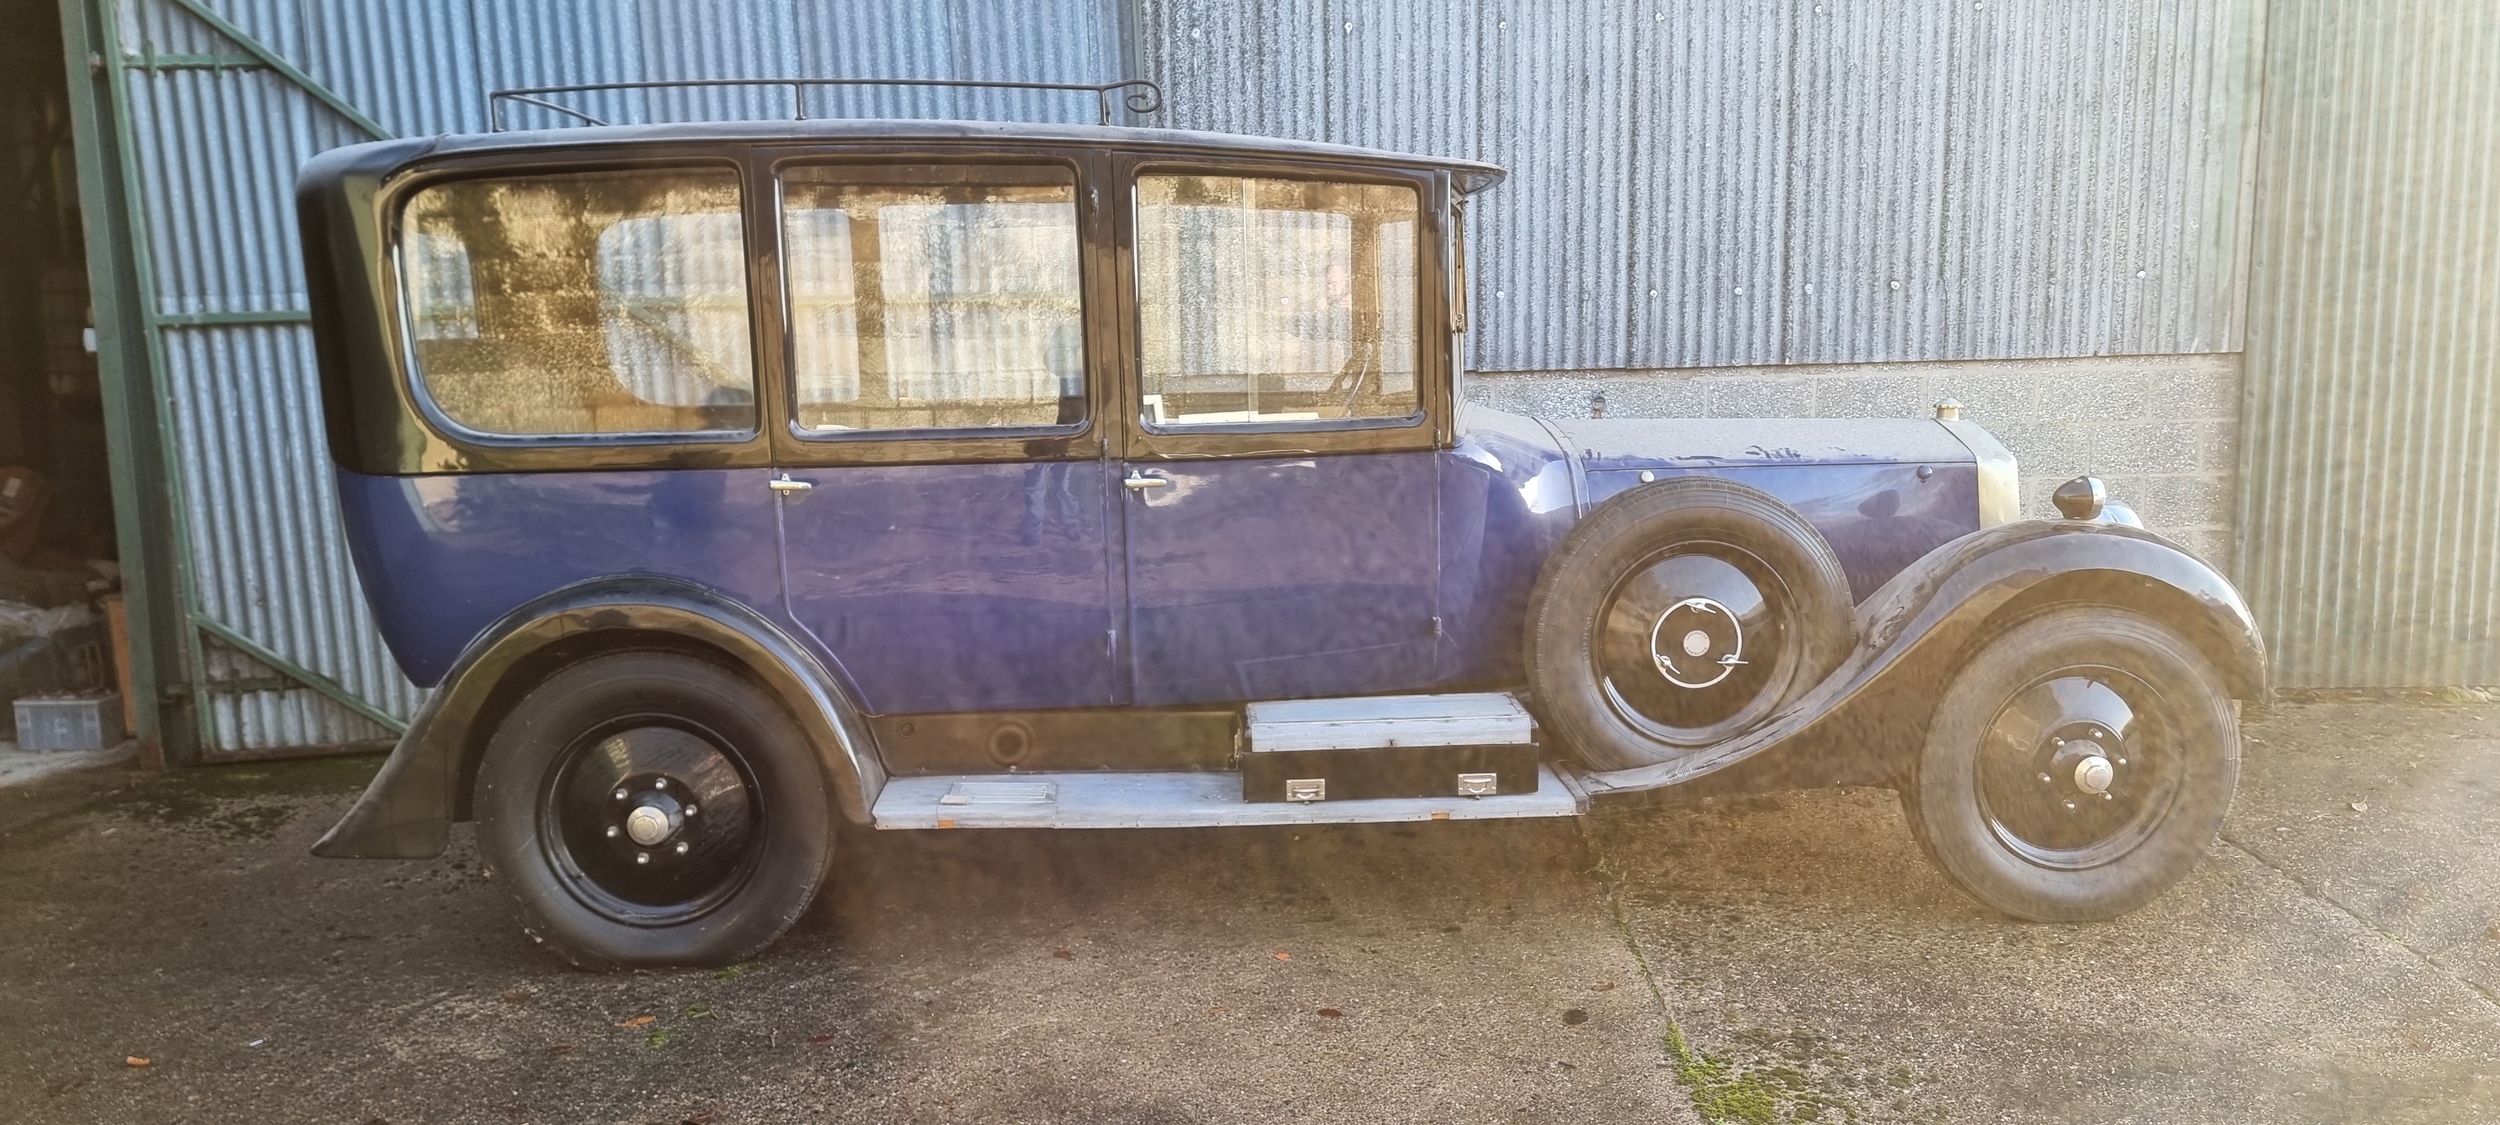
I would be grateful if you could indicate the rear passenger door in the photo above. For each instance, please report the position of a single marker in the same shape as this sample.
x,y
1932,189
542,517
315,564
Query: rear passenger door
x,y
945,518
1281,410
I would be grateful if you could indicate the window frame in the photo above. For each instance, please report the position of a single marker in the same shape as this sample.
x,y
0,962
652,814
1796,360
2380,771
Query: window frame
x,y
451,443
1429,427
797,445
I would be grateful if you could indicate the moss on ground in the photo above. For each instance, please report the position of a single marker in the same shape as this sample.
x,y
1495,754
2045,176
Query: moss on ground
x,y
1795,1075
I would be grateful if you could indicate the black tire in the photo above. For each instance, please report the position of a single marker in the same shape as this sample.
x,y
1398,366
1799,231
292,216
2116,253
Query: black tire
x,y
1636,570
2046,699
721,768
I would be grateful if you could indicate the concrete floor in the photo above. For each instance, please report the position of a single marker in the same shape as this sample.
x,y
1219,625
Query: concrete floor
x,y
2336,960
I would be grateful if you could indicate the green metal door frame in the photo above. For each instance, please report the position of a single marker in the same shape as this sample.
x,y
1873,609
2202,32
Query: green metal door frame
x,y
166,621
145,509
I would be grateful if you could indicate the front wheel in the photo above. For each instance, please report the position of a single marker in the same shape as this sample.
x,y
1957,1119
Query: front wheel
x,y
2078,765
649,808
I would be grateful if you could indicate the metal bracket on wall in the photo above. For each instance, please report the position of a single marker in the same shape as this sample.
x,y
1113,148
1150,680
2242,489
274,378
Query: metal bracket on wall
x,y
274,61
337,692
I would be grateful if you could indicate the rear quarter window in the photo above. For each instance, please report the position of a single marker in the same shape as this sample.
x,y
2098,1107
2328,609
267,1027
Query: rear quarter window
x,y
580,304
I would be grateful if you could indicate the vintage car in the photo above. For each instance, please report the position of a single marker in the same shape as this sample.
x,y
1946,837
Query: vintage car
x,y
729,481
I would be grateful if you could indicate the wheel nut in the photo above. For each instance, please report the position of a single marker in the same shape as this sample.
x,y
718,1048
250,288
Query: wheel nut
x,y
681,847
661,783
690,810
645,857
648,825
2109,796
2093,774
2044,780
2070,806
612,831
620,794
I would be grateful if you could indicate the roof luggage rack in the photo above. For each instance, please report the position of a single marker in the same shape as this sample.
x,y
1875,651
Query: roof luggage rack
x,y
1136,95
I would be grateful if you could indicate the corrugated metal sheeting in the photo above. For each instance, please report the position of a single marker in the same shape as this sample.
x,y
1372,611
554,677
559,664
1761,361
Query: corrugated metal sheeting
x,y
217,135
1710,183
2370,495
1696,183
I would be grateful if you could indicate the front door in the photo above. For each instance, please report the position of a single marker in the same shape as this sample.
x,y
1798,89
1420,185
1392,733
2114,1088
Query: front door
x,y
945,517
1280,491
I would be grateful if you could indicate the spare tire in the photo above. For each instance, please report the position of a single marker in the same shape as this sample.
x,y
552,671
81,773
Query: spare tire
x,y
1681,614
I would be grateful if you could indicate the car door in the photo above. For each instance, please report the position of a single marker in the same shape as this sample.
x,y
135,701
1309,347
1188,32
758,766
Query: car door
x,y
1282,403
945,513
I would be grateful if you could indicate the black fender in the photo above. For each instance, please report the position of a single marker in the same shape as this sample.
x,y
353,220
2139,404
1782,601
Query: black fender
x,y
1871,712
406,812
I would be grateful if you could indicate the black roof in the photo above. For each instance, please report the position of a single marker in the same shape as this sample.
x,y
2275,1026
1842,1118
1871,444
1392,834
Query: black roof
x,y
1471,175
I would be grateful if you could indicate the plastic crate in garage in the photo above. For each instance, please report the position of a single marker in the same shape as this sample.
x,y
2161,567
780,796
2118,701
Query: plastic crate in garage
x,y
69,722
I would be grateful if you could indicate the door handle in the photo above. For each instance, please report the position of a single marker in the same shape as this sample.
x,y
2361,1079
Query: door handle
x,y
1138,481
783,484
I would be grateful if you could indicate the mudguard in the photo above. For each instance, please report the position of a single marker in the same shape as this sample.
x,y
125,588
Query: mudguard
x,y
406,812
1860,724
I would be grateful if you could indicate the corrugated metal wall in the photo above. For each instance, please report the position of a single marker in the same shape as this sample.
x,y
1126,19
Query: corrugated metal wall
x,y
1695,183
1718,183
216,135
2370,497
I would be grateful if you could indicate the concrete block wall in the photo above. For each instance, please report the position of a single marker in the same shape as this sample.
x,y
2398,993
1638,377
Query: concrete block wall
x,y
2163,430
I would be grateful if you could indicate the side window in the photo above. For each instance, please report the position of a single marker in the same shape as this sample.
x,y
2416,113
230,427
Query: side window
x,y
933,297
581,303
1275,301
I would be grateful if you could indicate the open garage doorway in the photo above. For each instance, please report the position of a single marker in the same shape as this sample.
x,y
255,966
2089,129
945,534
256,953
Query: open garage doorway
x,y
59,574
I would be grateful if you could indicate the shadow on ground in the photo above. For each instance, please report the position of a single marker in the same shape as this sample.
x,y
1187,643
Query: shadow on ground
x,y
2330,963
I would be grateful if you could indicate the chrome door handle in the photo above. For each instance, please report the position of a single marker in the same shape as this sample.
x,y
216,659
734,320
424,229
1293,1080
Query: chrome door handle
x,y
783,483
1138,480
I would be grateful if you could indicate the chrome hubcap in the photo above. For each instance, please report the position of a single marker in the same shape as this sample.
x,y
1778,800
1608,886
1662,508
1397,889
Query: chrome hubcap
x,y
1694,644
1697,643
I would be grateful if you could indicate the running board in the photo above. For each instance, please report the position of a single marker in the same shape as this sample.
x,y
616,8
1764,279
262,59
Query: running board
x,y
1202,799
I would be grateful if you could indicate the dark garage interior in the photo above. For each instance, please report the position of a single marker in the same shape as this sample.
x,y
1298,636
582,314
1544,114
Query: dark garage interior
x,y
57,570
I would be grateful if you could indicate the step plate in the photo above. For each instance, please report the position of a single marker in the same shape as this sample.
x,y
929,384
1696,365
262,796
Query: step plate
x,y
1204,799
1378,721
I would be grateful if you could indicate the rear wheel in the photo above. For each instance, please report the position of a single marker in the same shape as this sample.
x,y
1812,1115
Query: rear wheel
x,y
2077,766
650,808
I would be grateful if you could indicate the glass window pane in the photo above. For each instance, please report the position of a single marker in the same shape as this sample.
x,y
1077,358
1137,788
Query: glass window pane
x,y
582,303
1280,301
934,297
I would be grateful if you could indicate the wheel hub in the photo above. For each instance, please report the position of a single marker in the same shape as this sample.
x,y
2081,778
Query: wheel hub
x,y
2074,773
654,820
2093,774
1696,643
2084,755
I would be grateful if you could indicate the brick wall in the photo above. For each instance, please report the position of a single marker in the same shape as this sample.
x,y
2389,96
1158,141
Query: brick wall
x,y
2162,430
